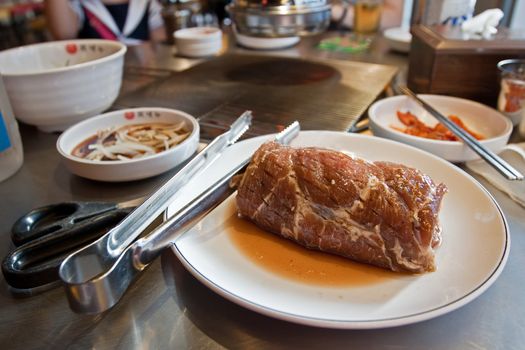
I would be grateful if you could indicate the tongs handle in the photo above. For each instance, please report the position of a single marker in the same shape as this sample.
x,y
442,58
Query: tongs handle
x,y
98,257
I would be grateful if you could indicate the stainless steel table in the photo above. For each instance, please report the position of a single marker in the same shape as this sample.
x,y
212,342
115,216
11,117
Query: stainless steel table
x,y
168,308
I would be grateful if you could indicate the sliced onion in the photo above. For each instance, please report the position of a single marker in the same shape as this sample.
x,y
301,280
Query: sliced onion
x,y
137,140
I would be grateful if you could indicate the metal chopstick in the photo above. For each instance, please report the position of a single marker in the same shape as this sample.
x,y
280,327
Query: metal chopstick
x,y
490,157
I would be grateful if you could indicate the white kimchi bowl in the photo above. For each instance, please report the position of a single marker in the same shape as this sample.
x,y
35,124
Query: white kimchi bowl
x,y
56,84
482,119
131,169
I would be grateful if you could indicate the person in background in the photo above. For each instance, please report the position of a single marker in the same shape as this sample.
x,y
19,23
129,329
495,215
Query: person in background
x,y
129,21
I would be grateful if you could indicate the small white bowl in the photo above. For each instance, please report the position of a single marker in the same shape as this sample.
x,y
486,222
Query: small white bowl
x,y
490,123
198,41
56,84
133,169
398,38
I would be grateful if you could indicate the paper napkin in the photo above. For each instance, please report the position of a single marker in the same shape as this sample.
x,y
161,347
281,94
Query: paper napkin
x,y
514,154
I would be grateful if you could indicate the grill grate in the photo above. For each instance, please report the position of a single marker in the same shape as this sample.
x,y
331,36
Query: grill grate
x,y
322,95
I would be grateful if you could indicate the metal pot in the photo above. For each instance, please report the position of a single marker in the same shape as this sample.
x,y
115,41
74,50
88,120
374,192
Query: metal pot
x,y
279,18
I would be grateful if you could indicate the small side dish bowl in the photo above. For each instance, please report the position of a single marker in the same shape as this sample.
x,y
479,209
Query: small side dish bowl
x,y
491,124
127,169
56,84
198,41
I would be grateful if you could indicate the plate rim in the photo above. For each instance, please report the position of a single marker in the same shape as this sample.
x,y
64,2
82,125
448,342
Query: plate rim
x,y
388,322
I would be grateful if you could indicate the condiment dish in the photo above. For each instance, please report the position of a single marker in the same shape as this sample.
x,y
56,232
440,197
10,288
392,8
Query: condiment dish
x,y
491,124
127,169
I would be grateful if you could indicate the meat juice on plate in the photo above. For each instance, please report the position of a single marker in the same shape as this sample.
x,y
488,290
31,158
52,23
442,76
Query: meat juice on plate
x,y
290,260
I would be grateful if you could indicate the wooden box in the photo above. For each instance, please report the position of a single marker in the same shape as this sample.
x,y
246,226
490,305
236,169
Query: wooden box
x,y
442,61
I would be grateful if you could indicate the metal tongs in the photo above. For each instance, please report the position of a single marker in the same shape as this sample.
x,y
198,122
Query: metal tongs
x,y
97,276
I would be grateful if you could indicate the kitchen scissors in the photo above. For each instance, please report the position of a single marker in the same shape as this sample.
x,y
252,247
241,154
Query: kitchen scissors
x,y
45,236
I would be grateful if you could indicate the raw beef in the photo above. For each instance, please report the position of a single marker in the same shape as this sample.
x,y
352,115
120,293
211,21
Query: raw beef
x,y
379,213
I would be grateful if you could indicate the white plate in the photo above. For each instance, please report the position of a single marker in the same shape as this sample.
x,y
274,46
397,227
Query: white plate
x,y
474,250
265,43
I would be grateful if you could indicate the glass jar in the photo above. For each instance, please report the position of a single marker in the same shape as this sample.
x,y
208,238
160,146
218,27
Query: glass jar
x,y
511,99
11,152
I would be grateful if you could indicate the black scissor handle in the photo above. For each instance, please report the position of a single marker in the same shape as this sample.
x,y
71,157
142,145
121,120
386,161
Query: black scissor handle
x,y
52,218
36,262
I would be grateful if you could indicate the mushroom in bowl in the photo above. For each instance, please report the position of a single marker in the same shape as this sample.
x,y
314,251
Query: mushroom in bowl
x,y
129,144
489,125
56,84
